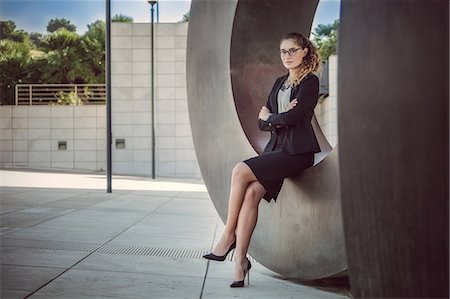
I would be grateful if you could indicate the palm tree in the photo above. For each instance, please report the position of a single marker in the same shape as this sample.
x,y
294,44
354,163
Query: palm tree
x,y
36,39
8,31
122,18
55,24
326,39
14,58
93,46
64,58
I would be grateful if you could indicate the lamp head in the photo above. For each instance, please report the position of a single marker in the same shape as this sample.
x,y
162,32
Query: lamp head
x,y
152,2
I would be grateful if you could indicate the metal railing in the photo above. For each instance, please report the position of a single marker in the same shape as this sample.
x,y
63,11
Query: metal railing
x,y
60,94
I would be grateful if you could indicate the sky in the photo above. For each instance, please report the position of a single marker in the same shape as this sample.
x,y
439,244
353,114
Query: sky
x,y
33,15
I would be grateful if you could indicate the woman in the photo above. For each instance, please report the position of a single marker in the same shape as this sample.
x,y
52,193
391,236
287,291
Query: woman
x,y
290,150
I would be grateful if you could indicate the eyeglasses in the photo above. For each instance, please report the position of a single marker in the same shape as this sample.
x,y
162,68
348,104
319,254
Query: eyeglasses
x,y
291,52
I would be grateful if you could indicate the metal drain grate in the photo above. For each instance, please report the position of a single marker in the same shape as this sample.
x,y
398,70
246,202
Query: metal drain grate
x,y
151,251
51,244
109,248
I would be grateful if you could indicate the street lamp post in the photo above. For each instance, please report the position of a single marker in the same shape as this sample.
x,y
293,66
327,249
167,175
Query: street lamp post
x,y
108,99
152,3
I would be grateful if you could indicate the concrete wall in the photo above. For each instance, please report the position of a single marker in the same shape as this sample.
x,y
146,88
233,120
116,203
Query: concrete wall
x,y
29,137
326,109
131,93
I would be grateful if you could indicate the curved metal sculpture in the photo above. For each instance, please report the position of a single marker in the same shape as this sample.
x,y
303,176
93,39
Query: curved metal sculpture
x,y
232,62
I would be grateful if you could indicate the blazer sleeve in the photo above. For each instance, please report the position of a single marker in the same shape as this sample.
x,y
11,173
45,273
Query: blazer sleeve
x,y
307,97
265,125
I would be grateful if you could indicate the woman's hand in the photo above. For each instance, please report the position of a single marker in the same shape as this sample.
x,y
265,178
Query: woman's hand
x,y
292,104
264,113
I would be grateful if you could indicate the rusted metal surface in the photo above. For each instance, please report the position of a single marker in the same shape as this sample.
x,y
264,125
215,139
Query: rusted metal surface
x,y
393,146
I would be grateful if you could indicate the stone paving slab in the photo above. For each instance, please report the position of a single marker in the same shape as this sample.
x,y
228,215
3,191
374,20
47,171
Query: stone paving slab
x,y
4,230
143,264
262,280
174,226
87,283
199,208
13,294
6,208
39,197
218,288
31,216
43,295
163,242
63,236
82,200
133,202
90,219
21,256
26,278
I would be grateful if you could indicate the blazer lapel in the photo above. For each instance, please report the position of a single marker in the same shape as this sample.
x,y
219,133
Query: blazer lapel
x,y
274,99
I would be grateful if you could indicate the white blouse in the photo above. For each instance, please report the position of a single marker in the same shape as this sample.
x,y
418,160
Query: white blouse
x,y
284,97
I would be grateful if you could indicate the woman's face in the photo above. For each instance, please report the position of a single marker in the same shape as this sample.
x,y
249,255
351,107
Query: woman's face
x,y
291,53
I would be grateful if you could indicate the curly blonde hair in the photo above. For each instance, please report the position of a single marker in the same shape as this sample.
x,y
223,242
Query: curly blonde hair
x,y
311,62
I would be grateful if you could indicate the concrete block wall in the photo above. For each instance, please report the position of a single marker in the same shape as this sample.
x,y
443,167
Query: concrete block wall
x,y
29,137
6,137
326,110
131,100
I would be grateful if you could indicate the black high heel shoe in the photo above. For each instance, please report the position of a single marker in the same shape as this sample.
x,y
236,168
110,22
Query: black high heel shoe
x,y
240,283
212,256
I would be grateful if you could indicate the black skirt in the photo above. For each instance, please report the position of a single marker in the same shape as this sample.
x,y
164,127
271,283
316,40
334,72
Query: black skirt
x,y
271,168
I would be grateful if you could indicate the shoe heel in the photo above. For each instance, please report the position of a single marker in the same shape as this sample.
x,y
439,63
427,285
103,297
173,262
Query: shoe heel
x,y
248,277
232,254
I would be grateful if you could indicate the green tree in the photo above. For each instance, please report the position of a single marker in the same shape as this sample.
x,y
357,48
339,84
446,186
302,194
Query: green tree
x,y
64,58
326,39
122,18
36,39
68,98
185,17
55,24
14,60
93,46
8,31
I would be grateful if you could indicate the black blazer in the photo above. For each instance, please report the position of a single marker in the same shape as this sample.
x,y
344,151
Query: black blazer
x,y
300,137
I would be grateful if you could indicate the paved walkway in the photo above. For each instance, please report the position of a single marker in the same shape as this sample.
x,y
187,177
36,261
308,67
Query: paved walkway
x,y
63,236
